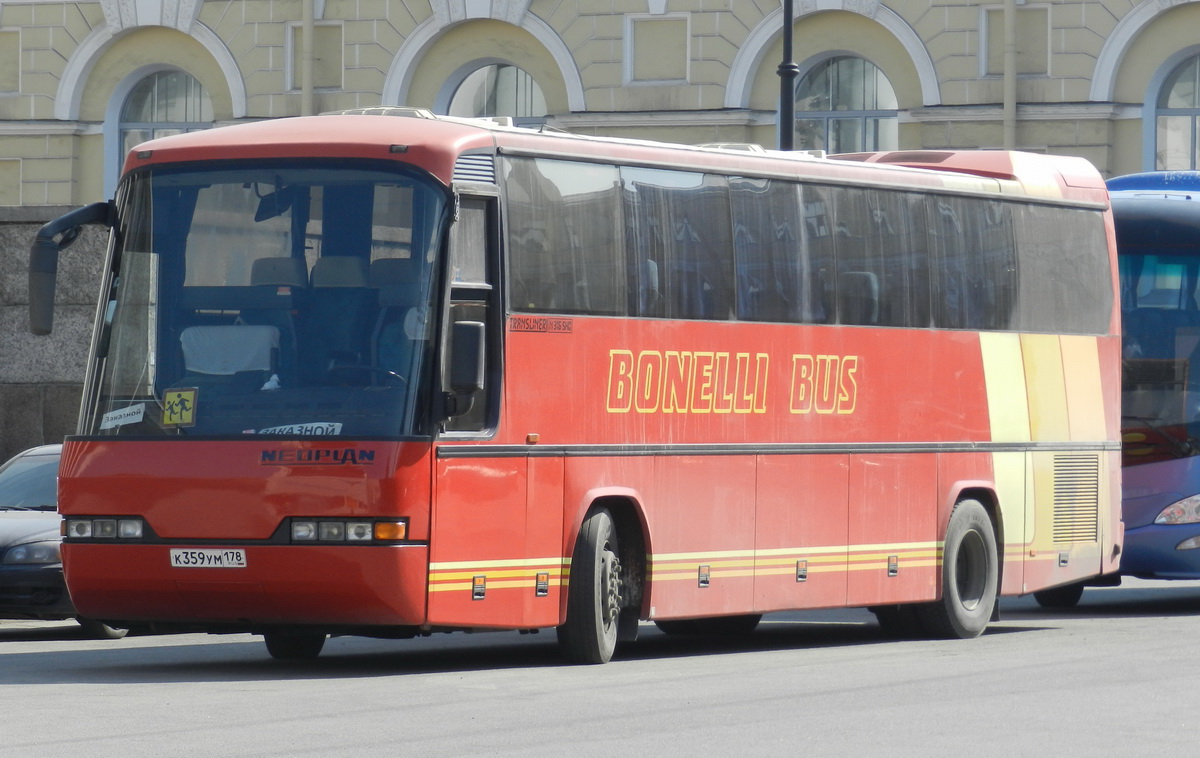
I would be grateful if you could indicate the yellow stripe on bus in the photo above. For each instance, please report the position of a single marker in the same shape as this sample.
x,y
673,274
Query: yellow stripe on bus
x,y
491,585
666,567
1081,371
1043,358
1004,377
513,562
448,576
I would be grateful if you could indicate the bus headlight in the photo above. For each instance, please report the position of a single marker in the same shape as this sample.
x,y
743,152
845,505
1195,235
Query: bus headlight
x,y
1185,511
34,553
129,529
104,528
331,531
304,531
359,531
346,530
78,527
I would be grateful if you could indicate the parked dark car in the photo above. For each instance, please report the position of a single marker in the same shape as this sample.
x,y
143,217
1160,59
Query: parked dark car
x,y
31,573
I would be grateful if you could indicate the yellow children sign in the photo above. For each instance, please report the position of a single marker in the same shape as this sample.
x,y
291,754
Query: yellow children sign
x,y
179,407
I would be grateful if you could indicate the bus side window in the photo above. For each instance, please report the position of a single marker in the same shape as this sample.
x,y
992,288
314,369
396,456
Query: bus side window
x,y
853,241
700,247
678,233
948,236
566,238
819,232
473,244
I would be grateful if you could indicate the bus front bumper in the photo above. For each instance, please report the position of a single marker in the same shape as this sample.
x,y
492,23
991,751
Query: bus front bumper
x,y
320,585
1162,551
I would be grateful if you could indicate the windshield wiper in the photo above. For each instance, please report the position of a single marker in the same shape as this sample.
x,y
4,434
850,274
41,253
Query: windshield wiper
x,y
1181,448
27,508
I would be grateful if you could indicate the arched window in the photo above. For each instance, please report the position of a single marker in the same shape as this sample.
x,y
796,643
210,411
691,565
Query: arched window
x,y
1177,117
499,90
845,105
162,104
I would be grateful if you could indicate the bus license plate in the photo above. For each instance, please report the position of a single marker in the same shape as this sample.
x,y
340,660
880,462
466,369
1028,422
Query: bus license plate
x,y
208,558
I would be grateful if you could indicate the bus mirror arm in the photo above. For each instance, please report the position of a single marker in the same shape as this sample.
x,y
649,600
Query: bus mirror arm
x,y
467,364
43,259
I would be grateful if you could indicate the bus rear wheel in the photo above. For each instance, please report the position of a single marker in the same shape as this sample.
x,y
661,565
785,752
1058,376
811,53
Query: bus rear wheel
x,y
899,622
1066,596
294,646
593,593
970,575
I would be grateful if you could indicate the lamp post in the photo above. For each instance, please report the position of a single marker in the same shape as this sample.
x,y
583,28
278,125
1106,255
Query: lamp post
x,y
788,71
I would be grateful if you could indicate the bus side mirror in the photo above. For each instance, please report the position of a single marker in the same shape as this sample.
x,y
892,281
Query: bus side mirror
x,y
43,268
43,259
467,360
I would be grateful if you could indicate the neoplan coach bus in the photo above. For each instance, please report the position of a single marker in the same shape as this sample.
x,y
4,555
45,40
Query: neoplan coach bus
x,y
389,376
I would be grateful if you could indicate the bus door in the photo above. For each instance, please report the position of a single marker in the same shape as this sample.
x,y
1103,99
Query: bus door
x,y
496,539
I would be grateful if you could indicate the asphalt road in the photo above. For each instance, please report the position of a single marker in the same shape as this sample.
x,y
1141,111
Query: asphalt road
x,y
1117,676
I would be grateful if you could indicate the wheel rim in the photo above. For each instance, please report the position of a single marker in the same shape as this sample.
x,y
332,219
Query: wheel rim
x,y
610,587
970,571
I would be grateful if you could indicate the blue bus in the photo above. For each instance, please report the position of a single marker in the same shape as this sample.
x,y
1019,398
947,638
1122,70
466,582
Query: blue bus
x,y
1157,219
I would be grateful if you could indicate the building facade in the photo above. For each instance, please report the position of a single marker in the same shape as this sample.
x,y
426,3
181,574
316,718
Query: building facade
x,y
1111,80
1114,81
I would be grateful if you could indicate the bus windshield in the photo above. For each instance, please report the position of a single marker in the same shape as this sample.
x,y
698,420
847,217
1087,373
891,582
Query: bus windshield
x,y
280,299
1161,355
1157,225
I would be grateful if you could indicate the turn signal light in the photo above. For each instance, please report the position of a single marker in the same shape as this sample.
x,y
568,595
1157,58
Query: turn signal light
x,y
391,530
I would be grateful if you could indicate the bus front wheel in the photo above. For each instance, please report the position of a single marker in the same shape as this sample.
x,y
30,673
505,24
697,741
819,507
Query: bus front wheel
x,y
294,646
593,593
970,574
98,630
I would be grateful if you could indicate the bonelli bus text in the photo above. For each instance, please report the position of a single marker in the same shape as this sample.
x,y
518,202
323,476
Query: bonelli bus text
x,y
441,375
703,382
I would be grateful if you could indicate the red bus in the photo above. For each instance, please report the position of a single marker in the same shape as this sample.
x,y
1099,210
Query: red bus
x,y
390,375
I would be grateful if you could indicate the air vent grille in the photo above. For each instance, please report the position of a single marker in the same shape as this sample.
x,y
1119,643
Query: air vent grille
x,y
475,168
1076,498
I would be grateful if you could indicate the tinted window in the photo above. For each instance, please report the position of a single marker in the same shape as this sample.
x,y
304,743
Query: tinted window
x,y
689,245
975,266
1064,273
566,252
778,276
680,242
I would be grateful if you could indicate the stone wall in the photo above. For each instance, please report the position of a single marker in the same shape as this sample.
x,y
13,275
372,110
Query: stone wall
x,y
41,377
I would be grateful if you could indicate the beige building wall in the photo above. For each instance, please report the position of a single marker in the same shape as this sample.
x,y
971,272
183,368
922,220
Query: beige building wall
x,y
684,70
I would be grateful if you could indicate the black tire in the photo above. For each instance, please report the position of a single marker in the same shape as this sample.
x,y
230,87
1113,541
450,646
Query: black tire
x,y
899,622
970,574
628,623
294,646
1066,596
593,593
98,630
716,626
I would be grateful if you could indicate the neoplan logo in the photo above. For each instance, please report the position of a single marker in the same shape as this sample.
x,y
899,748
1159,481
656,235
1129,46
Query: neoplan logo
x,y
345,457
